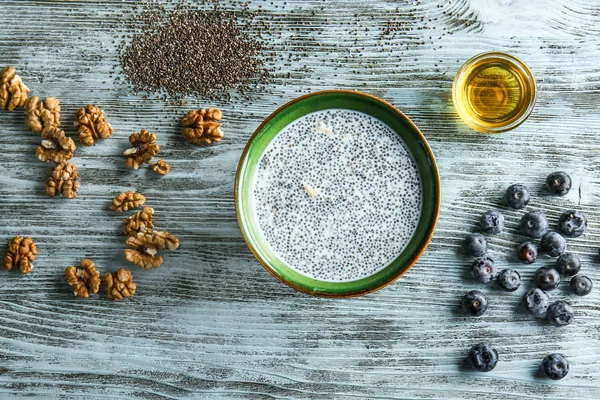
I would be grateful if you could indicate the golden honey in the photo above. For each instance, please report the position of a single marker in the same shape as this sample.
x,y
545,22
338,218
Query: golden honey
x,y
494,92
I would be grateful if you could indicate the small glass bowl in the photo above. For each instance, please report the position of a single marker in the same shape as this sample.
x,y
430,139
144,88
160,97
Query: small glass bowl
x,y
470,70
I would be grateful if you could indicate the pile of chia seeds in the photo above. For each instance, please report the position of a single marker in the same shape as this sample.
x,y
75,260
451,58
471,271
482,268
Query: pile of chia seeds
x,y
193,50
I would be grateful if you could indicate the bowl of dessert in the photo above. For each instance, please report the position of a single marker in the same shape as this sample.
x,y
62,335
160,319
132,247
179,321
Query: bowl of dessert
x,y
337,193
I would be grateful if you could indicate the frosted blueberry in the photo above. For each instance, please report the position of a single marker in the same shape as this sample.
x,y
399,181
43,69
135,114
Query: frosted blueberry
x,y
553,244
560,313
534,224
581,285
475,303
475,245
568,264
492,222
483,357
547,278
527,252
572,223
484,270
558,183
509,280
517,196
555,366
536,302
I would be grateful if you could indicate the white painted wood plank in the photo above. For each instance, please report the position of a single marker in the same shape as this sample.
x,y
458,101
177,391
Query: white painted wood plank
x,y
211,323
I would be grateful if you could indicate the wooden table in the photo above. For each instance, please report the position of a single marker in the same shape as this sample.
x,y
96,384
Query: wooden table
x,y
212,323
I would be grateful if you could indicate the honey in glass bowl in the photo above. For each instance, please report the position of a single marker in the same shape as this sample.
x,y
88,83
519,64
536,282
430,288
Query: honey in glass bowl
x,y
494,92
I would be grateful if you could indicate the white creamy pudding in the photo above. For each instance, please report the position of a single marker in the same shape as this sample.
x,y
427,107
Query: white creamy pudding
x,y
337,195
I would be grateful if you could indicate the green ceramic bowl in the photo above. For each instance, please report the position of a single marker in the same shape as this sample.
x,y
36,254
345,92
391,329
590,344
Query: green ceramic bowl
x,y
353,101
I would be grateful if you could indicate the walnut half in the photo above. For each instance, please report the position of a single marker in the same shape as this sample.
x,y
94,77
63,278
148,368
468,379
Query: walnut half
x,y
119,284
41,116
143,148
55,146
201,127
92,125
20,252
63,180
127,200
161,167
85,279
141,221
13,92
145,247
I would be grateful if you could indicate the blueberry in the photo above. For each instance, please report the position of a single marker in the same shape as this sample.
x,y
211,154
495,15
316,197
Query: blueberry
x,y
492,222
509,280
476,245
527,252
555,366
534,224
483,357
547,278
581,285
517,196
572,223
558,183
475,303
568,264
536,302
560,313
553,244
484,270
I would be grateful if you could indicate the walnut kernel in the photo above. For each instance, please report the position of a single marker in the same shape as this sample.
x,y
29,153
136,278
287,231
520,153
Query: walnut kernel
x,y
161,167
13,92
171,241
144,148
127,200
92,125
20,252
85,279
63,180
119,284
56,146
141,221
43,115
201,127
146,246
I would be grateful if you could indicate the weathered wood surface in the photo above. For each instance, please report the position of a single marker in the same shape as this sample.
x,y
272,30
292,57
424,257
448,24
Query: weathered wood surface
x,y
211,323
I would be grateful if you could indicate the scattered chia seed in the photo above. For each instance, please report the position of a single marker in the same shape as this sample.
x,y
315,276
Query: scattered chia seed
x,y
193,50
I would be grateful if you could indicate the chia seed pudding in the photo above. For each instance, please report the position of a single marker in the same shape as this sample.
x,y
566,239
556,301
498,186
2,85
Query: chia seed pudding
x,y
337,195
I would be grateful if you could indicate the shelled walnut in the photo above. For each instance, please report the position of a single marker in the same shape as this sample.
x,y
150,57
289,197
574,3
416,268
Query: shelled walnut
x,y
119,284
63,180
161,167
56,146
41,116
201,127
144,148
141,221
145,247
20,252
92,125
85,279
127,200
13,92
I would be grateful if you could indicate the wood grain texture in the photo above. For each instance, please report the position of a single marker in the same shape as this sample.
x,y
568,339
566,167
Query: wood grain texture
x,y
211,323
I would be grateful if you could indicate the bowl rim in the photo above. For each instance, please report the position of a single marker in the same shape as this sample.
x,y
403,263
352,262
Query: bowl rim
x,y
430,230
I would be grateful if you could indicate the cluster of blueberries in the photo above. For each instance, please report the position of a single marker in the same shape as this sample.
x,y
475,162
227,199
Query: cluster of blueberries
x,y
572,223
